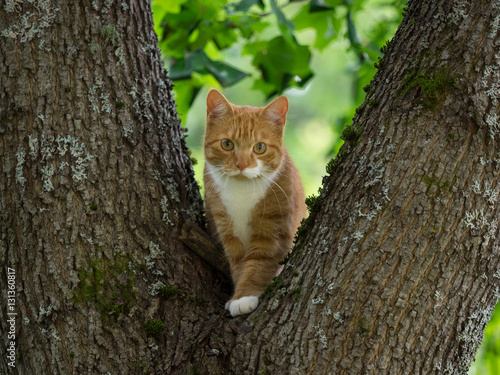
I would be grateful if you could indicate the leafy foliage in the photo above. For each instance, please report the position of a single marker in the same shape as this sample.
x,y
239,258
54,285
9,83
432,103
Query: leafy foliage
x,y
195,36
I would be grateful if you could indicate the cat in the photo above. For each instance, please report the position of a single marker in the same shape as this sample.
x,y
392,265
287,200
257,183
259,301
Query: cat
x,y
253,194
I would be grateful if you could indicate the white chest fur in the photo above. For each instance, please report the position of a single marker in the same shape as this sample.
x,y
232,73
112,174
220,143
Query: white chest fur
x,y
239,197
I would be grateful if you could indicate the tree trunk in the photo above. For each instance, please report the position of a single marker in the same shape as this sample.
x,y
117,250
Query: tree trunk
x,y
96,186
396,271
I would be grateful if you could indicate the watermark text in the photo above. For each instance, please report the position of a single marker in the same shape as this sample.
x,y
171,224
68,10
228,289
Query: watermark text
x,y
11,317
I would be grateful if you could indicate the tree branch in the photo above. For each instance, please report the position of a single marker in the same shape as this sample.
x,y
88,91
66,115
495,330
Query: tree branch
x,y
200,242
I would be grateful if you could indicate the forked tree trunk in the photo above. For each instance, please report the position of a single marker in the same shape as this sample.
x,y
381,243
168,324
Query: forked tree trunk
x,y
397,270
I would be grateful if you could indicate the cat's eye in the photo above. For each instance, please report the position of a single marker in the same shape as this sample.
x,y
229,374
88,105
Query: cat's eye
x,y
227,144
259,148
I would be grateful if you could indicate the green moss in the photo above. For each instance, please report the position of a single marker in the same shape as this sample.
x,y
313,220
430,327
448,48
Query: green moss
x,y
71,354
429,180
120,104
110,34
107,284
140,367
351,134
431,88
386,47
196,300
298,288
334,163
191,157
261,315
276,284
436,187
93,207
301,232
67,89
168,291
94,47
154,328
363,325
405,9
313,204
193,370
373,103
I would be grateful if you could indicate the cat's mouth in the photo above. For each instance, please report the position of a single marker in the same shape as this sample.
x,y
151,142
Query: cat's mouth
x,y
247,174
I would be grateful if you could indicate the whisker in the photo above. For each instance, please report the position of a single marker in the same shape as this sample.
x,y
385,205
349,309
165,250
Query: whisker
x,y
263,196
274,182
265,179
253,185
190,186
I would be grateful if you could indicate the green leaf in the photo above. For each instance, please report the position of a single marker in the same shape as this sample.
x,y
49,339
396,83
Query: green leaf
x,y
286,26
244,5
281,63
199,62
183,68
185,92
223,34
267,88
325,24
354,38
318,6
293,59
160,9
225,74
352,31
170,6
248,24
178,70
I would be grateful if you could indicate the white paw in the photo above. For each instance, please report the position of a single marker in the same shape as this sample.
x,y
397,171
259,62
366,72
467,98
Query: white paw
x,y
244,305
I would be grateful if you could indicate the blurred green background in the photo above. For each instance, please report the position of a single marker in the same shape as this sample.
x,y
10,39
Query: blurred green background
x,y
319,53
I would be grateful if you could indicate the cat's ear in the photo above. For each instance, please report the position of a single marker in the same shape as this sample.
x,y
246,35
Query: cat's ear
x,y
276,110
217,104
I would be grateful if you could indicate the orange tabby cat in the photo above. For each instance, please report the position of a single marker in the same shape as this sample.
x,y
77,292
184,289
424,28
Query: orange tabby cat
x,y
253,194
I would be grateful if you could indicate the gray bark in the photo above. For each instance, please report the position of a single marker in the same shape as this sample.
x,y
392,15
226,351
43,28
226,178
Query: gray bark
x,y
396,271
95,188
406,277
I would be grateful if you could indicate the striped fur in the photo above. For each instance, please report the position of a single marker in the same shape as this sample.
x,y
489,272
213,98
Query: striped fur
x,y
254,201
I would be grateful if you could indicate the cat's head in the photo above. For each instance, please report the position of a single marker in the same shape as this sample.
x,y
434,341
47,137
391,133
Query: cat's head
x,y
241,141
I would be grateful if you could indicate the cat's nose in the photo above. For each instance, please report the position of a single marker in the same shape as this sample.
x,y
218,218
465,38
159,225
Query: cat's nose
x,y
241,166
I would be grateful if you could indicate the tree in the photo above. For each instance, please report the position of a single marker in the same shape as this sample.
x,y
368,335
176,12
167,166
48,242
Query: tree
x,y
396,270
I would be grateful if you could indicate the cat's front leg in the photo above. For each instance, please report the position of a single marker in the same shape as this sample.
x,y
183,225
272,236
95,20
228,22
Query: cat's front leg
x,y
257,271
235,253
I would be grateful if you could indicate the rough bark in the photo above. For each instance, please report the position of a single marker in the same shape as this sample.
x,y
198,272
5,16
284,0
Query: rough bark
x,y
397,270
96,187
407,275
